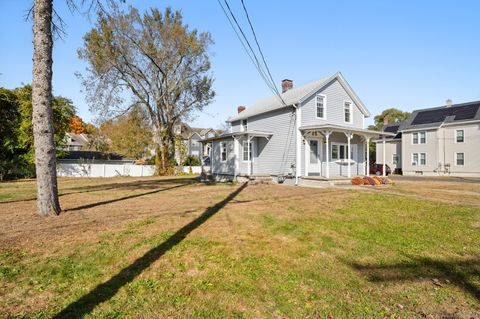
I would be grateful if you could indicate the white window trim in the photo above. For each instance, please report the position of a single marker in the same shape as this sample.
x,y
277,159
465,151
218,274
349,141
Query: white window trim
x,y
221,151
242,128
351,111
353,148
456,157
243,151
324,106
394,159
420,159
419,140
455,135
412,161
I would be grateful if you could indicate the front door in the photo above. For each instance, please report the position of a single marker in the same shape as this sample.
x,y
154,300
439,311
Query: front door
x,y
314,158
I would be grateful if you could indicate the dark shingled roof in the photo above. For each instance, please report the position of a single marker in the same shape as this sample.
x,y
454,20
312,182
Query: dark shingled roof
x,y
93,155
434,117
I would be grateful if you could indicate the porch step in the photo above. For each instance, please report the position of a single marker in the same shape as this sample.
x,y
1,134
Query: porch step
x,y
312,181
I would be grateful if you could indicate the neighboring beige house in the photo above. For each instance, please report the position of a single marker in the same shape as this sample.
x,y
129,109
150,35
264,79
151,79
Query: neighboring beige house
x,y
76,142
437,141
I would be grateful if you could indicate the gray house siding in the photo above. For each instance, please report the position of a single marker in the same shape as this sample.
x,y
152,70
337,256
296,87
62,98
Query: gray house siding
x,y
227,167
335,97
275,155
391,148
194,146
441,148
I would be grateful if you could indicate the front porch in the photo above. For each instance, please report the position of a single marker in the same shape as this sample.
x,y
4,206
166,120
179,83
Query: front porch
x,y
331,151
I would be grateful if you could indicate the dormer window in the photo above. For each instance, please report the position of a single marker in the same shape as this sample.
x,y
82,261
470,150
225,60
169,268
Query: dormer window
x,y
244,125
320,109
347,111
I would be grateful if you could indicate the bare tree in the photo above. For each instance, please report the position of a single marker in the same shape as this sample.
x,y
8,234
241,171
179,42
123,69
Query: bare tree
x,y
156,60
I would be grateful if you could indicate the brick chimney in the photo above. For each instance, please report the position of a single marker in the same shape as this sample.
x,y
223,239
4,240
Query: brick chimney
x,y
286,85
240,109
448,103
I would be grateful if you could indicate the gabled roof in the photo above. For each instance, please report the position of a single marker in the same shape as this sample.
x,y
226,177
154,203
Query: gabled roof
x,y
297,95
435,117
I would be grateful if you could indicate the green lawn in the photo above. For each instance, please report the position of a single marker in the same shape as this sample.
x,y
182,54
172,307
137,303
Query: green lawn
x,y
233,251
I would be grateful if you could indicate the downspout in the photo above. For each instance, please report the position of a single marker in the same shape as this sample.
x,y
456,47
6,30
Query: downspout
x,y
298,144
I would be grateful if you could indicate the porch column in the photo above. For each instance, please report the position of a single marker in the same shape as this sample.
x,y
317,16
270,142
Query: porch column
x,y
349,168
327,153
201,159
236,147
383,167
368,156
249,162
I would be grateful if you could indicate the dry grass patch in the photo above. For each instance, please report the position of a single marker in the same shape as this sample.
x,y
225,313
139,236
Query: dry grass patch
x,y
163,247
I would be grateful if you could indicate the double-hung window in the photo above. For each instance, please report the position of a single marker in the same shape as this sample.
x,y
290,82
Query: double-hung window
x,y
419,159
394,159
459,136
244,125
339,152
247,151
419,138
459,159
347,109
320,109
223,151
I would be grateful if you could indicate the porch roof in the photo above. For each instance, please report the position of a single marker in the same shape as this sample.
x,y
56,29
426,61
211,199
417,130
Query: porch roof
x,y
346,129
251,133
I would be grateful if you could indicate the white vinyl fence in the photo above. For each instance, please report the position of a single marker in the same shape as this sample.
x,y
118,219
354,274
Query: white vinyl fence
x,y
112,170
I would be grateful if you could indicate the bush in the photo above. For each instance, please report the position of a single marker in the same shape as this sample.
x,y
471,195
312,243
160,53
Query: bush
x,y
191,161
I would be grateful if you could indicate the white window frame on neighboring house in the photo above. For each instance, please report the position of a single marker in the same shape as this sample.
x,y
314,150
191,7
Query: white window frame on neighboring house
x,y
415,161
324,106
244,126
418,137
456,135
394,159
223,151
350,111
424,159
456,159
245,151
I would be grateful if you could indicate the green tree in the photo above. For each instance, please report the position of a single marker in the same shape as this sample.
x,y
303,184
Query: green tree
x,y
392,115
156,59
129,134
9,123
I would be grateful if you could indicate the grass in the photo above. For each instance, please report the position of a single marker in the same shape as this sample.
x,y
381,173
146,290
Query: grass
x,y
146,249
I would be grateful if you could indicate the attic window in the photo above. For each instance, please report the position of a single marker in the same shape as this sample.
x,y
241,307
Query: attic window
x,y
347,107
244,125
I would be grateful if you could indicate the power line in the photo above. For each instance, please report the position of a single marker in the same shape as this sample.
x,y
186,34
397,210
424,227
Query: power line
x,y
259,49
250,52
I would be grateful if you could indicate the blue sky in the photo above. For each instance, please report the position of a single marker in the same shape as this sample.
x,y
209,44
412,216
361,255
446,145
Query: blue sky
x,y
404,54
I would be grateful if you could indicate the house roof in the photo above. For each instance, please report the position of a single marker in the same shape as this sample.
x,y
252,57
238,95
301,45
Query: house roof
x,y
77,139
93,155
435,117
298,95
252,133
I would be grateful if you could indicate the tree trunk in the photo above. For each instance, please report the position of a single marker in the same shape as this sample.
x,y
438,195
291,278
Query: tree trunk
x,y
42,117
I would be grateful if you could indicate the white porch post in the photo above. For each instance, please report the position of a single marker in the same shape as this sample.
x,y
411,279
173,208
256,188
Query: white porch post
x,y
249,157
368,156
307,152
298,144
349,155
383,168
327,153
236,147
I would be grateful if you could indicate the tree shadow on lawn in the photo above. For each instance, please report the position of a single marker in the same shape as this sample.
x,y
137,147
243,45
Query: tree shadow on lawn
x,y
141,184
103,292
464,273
